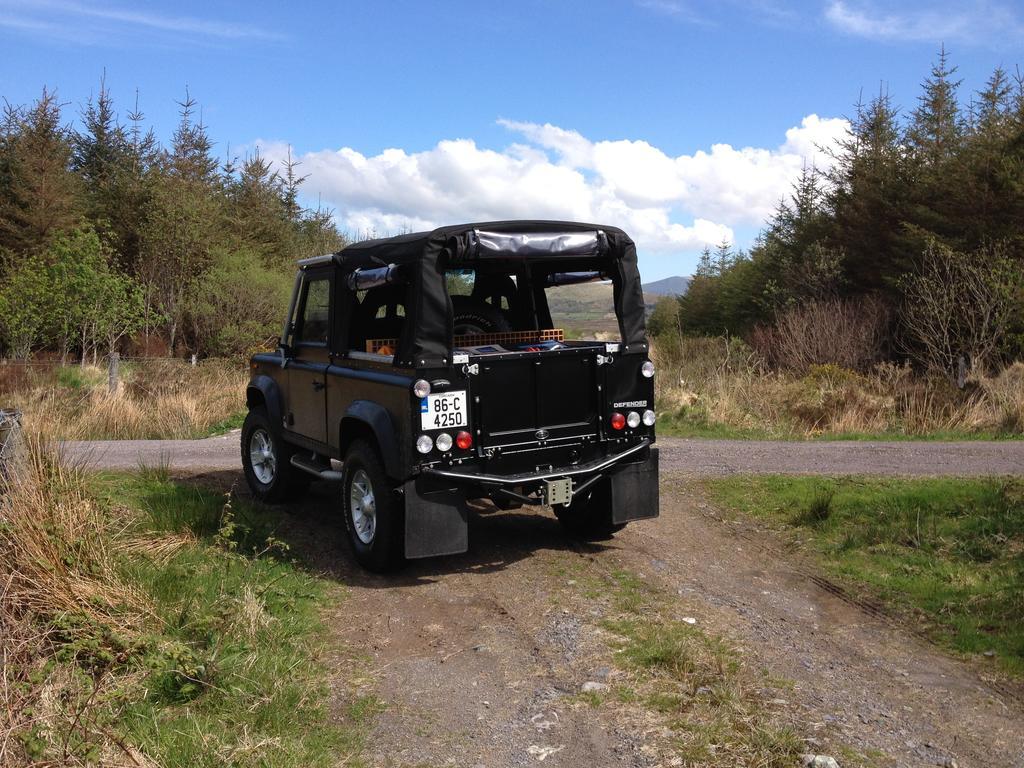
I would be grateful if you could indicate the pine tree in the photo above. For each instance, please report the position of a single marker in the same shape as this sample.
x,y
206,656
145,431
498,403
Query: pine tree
x,y
191,148
259,212
102,158
934,133
705,267
868,191
723,258
39,194
935,137
292,182
101,150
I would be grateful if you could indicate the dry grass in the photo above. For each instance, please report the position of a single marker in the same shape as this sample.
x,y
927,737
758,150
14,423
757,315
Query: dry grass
x,y
143,624
60,581
720,386
157,399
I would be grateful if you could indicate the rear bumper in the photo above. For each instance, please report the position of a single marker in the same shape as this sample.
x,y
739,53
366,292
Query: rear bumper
x,y
579,472
435,508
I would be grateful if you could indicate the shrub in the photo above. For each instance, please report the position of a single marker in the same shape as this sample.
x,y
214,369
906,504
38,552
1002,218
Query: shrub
x,y
957,307
850,333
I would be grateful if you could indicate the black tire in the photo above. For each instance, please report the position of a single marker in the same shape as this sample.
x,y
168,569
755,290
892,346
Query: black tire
x,y
384,548
589,517
473,317
284,481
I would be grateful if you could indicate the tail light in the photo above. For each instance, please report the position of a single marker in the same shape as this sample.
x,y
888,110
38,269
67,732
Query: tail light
x,y
618,421
464,440
633,419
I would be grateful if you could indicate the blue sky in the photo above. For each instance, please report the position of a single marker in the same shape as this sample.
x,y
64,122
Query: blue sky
x,y
667,117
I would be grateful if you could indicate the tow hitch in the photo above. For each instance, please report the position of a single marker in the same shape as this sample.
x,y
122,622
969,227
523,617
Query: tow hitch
x,y
558,491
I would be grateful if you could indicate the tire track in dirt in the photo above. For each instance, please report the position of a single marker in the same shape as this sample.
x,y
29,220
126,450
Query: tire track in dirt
x,y
476,662
864,675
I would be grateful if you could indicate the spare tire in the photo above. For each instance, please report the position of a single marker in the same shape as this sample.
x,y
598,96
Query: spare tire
x,y
473,317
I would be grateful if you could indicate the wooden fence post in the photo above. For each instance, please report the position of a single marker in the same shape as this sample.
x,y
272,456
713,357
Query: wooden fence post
x,y
113,371
10,444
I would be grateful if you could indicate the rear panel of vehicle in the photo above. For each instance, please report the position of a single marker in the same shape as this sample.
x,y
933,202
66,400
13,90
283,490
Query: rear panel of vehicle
x,y
536,410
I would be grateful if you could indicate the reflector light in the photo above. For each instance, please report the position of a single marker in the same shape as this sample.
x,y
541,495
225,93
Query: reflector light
x,y
647,369
464,440
424,444
421,388
618,421
649,418
443,442
633,419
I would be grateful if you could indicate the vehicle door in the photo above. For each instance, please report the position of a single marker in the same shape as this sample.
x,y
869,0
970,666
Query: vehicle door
x,y
306,409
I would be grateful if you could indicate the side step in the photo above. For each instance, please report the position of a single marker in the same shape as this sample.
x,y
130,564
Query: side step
x,y
316,466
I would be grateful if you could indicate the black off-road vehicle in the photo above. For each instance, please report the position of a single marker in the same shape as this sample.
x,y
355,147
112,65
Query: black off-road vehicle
x,y
429,366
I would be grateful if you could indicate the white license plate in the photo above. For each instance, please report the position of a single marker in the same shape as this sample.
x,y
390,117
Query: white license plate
x,y
445,410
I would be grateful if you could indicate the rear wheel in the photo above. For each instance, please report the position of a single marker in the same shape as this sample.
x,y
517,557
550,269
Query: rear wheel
x,y
266,460
373,510
589,517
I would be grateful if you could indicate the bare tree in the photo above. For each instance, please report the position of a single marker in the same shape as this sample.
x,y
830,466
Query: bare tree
x,y
956,308
847,332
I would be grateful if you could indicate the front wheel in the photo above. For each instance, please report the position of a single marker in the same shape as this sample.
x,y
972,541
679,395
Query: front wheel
x,y
373,510
266,460
589,517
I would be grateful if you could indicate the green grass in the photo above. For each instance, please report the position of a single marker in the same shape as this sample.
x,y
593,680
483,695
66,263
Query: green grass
x,y
949,553
693,679
228,669
234,421
687,422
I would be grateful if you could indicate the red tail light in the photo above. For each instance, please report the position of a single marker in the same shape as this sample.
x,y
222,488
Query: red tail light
x,y
464,440
618,421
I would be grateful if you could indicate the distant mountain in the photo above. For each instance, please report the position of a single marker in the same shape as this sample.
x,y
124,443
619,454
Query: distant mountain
x,y
668,286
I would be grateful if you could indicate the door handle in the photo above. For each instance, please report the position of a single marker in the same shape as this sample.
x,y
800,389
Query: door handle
x,y
319,385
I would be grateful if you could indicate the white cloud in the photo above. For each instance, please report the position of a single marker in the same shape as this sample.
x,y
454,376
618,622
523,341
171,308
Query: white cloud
x,y
971,22
668,204
65,18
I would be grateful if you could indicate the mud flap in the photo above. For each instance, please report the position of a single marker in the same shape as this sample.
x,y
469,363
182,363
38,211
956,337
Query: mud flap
x,y
435,520
635,490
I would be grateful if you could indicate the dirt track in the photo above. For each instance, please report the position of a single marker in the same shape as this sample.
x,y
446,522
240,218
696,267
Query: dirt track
x,y
478,657
698,458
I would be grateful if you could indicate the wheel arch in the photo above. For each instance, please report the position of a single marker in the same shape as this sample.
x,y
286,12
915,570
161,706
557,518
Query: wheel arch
x,y
264,391
367,420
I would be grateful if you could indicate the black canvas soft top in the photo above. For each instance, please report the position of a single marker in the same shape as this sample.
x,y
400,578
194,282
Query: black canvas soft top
x,y
427,342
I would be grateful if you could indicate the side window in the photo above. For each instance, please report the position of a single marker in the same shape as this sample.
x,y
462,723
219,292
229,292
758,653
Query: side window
x,y
315,318
460,282
378,319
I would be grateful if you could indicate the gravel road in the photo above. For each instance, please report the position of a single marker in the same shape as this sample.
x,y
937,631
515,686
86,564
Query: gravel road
x,y
698,458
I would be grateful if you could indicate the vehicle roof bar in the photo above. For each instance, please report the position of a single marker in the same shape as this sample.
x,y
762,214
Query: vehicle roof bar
x,y
316,261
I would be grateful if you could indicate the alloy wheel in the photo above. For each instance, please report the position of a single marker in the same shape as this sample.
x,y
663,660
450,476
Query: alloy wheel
x,y
362,506
262,456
